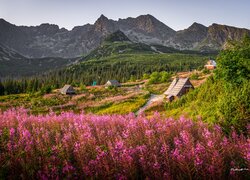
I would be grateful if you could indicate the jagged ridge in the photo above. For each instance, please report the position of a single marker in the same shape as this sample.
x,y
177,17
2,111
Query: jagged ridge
x,y
49,40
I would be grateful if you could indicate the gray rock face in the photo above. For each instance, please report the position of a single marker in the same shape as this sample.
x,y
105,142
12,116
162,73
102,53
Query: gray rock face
x,y
49,40
146,29
190,37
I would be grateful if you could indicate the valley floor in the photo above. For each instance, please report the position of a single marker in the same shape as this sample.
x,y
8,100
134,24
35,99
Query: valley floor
x,y
137,97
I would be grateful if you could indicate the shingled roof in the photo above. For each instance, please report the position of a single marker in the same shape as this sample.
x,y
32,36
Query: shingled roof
x,y
67,89
168,92
177,85
112,83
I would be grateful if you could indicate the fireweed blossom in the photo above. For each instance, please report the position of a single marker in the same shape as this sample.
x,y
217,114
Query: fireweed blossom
x,y
85,146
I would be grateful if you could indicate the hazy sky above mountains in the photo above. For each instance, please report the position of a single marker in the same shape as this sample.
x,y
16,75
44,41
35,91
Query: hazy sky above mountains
x,y
177,14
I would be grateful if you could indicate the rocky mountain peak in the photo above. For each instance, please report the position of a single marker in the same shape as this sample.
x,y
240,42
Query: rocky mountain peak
x,y
146,22
2,21
4,24
48,27
104,25
221,33
101,19
146,17
197,26
48,40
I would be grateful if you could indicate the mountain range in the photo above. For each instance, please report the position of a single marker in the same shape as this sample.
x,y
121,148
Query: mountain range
x,y
12,64
48,40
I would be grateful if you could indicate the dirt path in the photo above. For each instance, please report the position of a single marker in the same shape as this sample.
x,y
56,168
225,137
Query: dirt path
x,y
153,98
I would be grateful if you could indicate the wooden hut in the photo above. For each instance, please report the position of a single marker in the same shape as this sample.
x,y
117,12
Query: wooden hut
x,y
177,88
68,89
114,83
211,64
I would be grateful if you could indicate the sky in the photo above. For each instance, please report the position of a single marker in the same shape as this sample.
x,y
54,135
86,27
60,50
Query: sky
x,y
177,14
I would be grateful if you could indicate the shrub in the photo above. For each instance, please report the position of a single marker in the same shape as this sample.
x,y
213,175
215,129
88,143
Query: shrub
x,y
154,78
206,71
83,87
159,77
145,76
194,76
46,90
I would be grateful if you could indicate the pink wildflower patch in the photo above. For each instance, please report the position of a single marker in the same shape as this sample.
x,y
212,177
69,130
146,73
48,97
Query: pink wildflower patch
x,y
85,146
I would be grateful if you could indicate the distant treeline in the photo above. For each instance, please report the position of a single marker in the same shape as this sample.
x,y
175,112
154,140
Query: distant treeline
x,y
120,67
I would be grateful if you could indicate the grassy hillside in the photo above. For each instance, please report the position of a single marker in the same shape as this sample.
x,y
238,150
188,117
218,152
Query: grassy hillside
x,y
225,98
119,47
123,66
119,58
98,100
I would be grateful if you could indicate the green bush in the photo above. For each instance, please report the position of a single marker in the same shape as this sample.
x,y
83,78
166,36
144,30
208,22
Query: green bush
x,y
206,71
194,76
159,77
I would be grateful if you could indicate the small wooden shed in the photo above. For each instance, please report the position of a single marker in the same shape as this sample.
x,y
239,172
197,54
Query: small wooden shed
x,y
211,64
114,83
68,89
177,88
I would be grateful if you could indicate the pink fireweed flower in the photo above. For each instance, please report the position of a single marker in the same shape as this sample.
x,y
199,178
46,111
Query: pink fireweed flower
x,y
182,119
10,146
87,171
198,161
225,141
26,134
67,168
199,149
125,134
247,151
149,133
177,142
210,143
211,169
156,166
234,135
177,155
164,148
77,146
121,177
217,128
12,132
206,133
119,145
185,137
141,148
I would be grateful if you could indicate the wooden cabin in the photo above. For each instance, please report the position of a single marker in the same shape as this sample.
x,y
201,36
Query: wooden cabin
x,y
114,83
211,64
177,88
68,89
